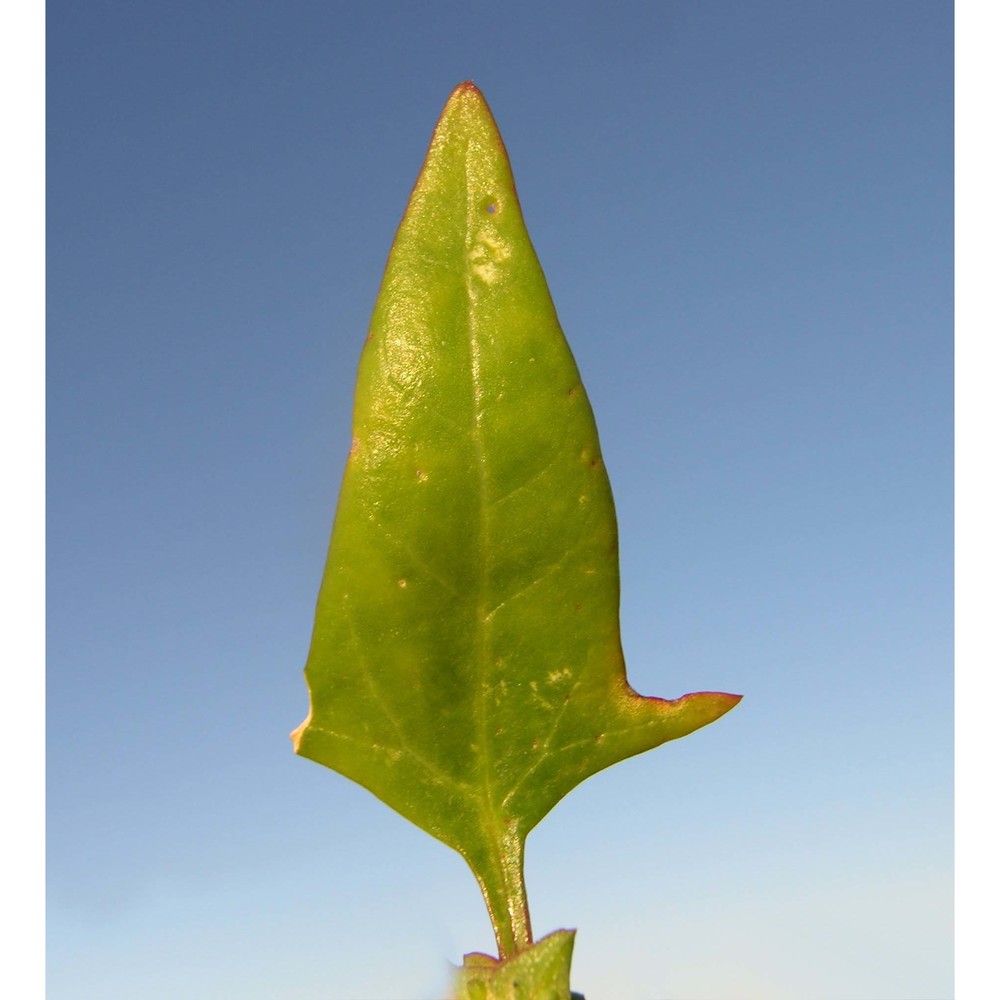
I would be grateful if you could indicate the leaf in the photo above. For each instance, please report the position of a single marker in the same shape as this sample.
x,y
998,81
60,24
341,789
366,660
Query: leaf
x,y
465,664
540,973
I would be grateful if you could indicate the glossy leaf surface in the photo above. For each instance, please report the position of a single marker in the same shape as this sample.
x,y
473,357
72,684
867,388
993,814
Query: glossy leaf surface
x,y
465,664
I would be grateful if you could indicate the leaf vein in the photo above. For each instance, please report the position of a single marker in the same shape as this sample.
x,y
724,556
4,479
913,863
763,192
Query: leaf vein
x,y
436,774
418,562
545,751
541,578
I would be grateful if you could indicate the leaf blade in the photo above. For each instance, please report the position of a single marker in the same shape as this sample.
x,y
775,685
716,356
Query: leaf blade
x,y
466,663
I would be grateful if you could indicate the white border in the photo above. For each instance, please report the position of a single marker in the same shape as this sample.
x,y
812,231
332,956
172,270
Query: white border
x,y
977,549
22,746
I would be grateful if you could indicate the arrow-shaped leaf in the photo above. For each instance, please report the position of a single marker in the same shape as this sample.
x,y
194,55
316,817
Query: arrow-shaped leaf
x,y
466,665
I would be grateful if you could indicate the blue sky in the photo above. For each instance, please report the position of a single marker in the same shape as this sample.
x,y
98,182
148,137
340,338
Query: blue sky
x,y
744,214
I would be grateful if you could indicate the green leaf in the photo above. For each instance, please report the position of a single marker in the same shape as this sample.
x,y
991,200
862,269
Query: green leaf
x,y
466,665
540,973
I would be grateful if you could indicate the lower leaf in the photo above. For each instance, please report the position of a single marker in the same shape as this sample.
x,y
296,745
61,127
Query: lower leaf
x,y
539,973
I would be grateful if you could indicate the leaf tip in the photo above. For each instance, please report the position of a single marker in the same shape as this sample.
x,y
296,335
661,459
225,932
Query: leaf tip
x,y
711,705
676,717
729,700
298,733
468,93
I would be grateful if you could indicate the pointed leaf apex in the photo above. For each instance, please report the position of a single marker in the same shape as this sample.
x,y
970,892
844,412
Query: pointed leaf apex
x,y
464,95
467,95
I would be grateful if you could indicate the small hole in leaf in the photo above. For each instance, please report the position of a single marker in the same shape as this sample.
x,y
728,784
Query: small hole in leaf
x,y
491,208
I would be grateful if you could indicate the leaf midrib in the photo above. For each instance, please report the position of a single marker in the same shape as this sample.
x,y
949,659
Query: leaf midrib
x,y
485,757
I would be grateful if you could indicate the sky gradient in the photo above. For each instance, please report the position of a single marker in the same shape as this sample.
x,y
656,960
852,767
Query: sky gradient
x,y
744,214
